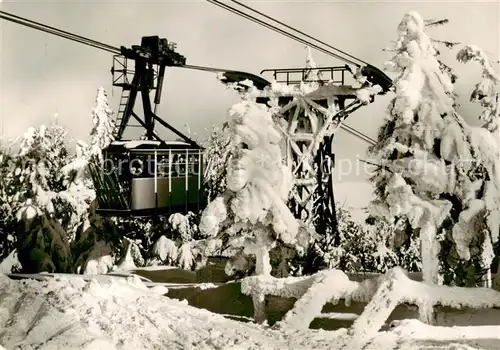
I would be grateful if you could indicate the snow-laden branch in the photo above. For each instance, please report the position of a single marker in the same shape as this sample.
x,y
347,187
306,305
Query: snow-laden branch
x,y
486,91
395,288
475,54
383,294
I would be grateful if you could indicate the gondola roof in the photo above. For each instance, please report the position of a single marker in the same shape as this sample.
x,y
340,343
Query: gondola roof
x,y
143,145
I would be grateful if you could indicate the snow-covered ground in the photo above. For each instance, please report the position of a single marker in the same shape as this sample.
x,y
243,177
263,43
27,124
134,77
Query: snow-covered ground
x,y
7,264
69,313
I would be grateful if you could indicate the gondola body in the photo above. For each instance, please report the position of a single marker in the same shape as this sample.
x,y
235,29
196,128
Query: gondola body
x,y
147,178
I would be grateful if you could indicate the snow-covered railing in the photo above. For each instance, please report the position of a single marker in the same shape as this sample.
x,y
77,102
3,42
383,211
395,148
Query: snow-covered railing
x,y
383,294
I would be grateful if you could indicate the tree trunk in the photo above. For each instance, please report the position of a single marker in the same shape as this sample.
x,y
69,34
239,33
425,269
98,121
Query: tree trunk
x,y
262,261
496,286
429,252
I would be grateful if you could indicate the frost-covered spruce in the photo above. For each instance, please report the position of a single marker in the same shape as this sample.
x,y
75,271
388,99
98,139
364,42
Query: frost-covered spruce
x,y
101,136
438,174
103,125
252,212
37,167
80,189
43,207
217,153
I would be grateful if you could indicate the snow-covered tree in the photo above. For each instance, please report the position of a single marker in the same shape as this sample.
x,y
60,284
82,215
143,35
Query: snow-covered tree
x,y
101,135
373,247
252,212
79,190
184,227
436,174
165,250
486,93
387,245
185,256
42,206
78,181
37,167
217,155
103,124
7,207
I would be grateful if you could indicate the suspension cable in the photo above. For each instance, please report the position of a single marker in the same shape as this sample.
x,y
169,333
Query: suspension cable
x,y
202,68
281,31
61,33
298,31
358,134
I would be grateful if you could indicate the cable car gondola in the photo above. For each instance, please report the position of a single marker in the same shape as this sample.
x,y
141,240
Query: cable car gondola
x,y
148,178
151,176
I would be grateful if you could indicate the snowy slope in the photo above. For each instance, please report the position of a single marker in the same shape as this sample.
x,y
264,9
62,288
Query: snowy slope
x,y
74,314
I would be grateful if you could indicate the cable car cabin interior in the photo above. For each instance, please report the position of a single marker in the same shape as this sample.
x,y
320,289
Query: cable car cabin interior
x,y
143,178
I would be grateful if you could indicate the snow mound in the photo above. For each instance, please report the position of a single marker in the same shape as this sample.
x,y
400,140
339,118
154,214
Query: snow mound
x,y
69,313
8,264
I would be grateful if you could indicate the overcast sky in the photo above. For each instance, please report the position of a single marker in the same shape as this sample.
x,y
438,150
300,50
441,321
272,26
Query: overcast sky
x,y
43,74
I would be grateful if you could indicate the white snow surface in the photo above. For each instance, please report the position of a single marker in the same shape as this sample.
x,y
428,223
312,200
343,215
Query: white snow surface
x,y
100,259
69,313
11,261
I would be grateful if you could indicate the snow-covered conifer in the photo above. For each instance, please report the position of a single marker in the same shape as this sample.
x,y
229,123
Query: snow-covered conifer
x,y
253,212
217,155
100,137
435,175
37,168
165,250
103,124
7,206
183,226
80,190
185,256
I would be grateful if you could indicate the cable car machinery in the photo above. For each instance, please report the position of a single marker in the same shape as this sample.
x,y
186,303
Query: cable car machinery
x,y
174,183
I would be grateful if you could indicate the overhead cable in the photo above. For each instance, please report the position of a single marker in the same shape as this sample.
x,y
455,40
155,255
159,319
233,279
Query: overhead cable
x,y
281,31
298,31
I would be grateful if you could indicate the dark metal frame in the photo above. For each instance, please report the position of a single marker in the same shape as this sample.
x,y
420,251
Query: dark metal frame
x,y
151,59
289,73
114,191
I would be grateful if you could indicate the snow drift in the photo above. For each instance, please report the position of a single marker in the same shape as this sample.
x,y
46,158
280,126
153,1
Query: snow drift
x,y
69,313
